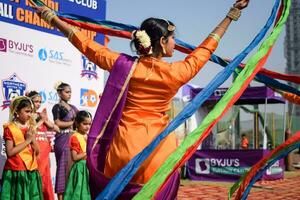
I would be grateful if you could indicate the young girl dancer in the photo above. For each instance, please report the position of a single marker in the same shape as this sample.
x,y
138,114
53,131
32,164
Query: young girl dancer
x,y
63,115
20,178
43,126
78,184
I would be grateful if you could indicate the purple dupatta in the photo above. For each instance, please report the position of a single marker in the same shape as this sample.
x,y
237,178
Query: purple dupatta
x,y
103,129
105,123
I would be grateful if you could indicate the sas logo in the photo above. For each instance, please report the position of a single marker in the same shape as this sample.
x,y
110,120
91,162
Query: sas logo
x,y
88,98
50,97
11,88
202,166
89,69
3,45
53,56
43,54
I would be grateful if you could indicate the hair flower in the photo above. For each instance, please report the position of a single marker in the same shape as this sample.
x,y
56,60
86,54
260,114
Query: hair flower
x,y
144,40
57,84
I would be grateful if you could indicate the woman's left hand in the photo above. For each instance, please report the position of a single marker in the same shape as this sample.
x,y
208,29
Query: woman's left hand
x,y
241,4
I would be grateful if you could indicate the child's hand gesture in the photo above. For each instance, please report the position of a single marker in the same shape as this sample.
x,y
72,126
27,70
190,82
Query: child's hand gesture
x,y
29,137
44,115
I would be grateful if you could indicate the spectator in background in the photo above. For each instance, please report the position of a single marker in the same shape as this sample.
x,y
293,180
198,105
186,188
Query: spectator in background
x,y
244,142
63,115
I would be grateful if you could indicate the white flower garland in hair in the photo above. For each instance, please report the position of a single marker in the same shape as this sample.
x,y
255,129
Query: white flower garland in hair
x,y
57,84
144,39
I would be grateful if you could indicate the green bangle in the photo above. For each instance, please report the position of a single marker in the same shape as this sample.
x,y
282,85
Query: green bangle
x,y
215,36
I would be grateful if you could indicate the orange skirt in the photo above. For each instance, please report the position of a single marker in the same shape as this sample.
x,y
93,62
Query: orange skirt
x,y
136,131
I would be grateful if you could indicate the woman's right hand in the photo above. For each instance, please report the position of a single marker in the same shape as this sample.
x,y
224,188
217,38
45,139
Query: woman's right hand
x,y
40,9
51,18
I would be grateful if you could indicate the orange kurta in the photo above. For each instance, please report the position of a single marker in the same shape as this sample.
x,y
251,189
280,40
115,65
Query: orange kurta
x,y
151,89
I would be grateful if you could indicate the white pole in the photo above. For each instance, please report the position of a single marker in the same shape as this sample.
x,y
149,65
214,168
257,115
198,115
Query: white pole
x,y
284,120
265,123
233,134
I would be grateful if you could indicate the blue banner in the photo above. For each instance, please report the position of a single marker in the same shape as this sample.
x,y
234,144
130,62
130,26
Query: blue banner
x,y
19,12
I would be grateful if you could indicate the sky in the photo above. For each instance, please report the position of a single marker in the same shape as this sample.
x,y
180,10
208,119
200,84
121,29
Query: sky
x,y
194,20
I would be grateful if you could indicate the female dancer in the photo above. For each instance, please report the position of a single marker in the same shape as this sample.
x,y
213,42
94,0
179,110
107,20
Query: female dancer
x,y
134,105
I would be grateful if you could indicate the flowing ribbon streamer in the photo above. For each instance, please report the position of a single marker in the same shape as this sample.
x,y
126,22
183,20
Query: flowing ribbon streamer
x,y
274,83
124,31
190,144
122,178
246,182
290,78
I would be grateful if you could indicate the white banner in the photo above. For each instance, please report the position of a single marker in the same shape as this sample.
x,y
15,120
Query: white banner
x,y
33,60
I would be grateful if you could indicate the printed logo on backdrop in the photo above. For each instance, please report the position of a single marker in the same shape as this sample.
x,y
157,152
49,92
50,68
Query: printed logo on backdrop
x,y
43,96
88,97
50,97
3,45
89,69
53,56
3,149
275,169
16,47
11,88
202,166
228,166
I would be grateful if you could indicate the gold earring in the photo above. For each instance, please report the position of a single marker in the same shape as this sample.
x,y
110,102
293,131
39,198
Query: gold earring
x,y
164,50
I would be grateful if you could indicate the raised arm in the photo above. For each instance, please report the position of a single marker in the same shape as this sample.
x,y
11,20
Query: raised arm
x,y
95,52
189,67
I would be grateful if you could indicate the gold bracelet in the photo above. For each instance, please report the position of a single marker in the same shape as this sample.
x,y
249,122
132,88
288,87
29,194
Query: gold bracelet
x,y
234,13
45,13
215,36
48,15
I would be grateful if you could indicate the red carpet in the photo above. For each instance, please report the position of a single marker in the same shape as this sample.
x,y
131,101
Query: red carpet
x,y
286,189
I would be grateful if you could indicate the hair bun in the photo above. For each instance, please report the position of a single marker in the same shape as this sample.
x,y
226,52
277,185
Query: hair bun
x,y
142,42
57,84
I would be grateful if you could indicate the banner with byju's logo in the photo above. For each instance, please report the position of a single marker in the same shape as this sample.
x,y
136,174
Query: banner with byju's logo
x,y
35,56
229,165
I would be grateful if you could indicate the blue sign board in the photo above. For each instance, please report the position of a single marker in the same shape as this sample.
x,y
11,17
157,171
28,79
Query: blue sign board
x,y
19,12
